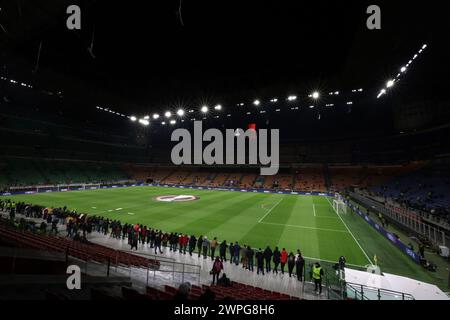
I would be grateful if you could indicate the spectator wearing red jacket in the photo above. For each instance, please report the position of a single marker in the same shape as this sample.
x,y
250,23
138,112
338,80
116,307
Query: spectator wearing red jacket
x,y
284,258
216,269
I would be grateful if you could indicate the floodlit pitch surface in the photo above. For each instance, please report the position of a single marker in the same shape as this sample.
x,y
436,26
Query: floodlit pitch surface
x,y
308,223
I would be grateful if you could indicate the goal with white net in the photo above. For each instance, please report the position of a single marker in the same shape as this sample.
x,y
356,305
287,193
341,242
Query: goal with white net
x,y
339,205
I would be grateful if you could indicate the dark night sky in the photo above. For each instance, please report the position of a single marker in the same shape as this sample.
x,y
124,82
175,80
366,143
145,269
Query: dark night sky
x,y
227,51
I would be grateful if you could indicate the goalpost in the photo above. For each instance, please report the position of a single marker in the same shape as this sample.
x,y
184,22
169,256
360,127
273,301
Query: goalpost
x,y
339,205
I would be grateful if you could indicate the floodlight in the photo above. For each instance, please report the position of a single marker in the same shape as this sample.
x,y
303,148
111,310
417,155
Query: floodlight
x,y
168,114
315,95
256,102
180,112
218,107
133,118
292,98
172,122
204,109
390,83
403,69
146,117
155,116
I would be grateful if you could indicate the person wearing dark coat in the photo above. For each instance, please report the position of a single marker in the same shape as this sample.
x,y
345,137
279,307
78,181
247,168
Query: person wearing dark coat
x,y
223,251
299,265
268,256
199,245
231,249
192,242
250,257
259,261
291,263
158,240
276,259
237,252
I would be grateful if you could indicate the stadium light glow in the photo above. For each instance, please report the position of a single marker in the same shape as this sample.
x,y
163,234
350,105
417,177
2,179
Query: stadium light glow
x,y
315,95
274,100
146,117
168,114
133,118
144,122
180,112
256,102
292,98
172,122
204,109
390,83
155,116
424,46
383,91
218,107
403,69
163,123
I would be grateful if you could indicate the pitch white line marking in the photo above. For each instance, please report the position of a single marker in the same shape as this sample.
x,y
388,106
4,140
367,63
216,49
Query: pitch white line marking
x,y
131,213
118,209
270,210
367,257
314,209
304,227
94,207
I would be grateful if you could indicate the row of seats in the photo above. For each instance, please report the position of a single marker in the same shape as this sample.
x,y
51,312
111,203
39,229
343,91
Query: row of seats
x,y
77,249
238,291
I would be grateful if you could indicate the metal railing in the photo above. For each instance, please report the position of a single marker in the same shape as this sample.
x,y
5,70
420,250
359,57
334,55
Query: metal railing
x,y
362,292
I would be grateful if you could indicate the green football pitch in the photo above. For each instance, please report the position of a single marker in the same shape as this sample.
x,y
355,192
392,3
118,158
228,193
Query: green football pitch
x,y
308,223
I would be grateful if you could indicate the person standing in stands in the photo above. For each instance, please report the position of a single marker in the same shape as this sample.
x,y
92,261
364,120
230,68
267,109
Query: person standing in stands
x,y
299,265
291,263
284,257
237,252
231,249
268,256
259,261
244,257
192,242
216,269
317,274
158,240
134,240
223,251
214,245
199,245
276,259
205,246
250,257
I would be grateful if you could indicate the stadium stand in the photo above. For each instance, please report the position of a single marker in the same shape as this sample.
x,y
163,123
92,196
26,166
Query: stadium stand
x,y
310,179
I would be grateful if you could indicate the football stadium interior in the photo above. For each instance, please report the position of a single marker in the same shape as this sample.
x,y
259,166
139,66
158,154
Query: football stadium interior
x,y
359,205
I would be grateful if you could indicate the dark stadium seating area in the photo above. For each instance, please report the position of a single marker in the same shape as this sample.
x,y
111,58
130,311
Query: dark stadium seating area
x,y
427,189
31,172
83,251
